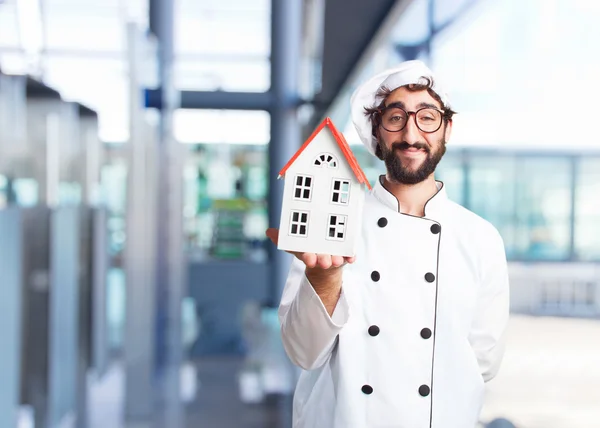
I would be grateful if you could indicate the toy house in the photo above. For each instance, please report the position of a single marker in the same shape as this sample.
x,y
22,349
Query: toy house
x,y
323,196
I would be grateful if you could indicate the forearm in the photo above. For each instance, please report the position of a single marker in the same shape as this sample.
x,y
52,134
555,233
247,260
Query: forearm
x,y
487,336
327,284
308,328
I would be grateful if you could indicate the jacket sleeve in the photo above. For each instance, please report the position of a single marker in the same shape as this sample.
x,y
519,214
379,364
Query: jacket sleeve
x,y
309,334
487,336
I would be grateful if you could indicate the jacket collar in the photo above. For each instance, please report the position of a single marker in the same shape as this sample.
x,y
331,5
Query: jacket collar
x,y
433,206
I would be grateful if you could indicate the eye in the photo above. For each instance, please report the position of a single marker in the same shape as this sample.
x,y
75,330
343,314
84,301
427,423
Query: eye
x,y
428,115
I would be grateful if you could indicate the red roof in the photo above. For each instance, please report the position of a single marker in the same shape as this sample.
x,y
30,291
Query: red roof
x,y
341,141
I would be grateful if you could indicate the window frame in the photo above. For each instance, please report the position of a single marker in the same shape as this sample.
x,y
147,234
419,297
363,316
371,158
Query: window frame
x,y
340,192
337,225
299,223
322,163
303,187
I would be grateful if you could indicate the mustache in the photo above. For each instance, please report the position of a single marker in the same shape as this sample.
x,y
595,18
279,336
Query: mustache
x,y
404,145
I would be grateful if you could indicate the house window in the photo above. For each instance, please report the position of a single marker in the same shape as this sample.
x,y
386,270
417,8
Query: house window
x,y
299,223
340,193
303,187
326,160
336,227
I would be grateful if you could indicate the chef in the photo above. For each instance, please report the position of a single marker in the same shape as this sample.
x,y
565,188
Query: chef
x,y
405,333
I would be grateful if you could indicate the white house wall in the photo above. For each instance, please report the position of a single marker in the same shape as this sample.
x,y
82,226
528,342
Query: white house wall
x,y
320,206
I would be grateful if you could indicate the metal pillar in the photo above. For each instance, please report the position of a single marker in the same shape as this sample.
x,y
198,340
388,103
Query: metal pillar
x,y
140,300
213,100
11,259
63,320
431,26
91,161
35,345
575,163
286,37
170,262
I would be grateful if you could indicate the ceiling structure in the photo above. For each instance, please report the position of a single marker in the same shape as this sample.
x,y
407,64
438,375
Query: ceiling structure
x,y
350,26
83,42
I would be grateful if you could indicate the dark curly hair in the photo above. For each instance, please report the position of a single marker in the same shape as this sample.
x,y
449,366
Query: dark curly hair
x,y
383,92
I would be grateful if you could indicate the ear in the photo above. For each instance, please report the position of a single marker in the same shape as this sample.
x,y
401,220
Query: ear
x,y
376,133
448,131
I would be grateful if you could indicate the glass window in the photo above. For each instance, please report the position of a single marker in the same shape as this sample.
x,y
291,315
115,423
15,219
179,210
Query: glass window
x,y
299,223
302,188
234,27
234,176
9,25
412,28
98,28
72,74
543,198
114,196
3,191
491,194
451,172
26,192
223,45
209,73
222,126
528,199
337,227
587,210
340,194
326,159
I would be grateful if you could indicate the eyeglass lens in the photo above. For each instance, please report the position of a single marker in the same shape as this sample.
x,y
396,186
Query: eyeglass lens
x,y
427,119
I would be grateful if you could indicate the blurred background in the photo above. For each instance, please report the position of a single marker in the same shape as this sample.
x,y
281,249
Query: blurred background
x,y
140,142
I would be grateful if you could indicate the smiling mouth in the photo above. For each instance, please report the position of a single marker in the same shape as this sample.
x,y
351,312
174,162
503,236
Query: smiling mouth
x,y
412,151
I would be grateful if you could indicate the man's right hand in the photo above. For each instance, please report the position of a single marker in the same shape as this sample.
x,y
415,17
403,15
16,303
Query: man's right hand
x,y
312,260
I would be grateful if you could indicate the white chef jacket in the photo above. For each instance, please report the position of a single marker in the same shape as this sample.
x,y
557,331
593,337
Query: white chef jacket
x,y
418,327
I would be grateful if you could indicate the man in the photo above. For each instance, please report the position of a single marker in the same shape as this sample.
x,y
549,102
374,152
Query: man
x,y
405,333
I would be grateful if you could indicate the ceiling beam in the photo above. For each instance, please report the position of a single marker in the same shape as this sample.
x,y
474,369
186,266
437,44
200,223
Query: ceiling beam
x,y
353,31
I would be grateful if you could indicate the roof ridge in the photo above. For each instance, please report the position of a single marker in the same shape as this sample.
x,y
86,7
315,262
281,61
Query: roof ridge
x,y
342,144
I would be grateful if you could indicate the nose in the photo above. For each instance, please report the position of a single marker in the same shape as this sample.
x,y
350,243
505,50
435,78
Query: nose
x,y
411,131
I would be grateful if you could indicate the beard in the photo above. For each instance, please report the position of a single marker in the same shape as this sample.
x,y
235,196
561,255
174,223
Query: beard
x,y
406,174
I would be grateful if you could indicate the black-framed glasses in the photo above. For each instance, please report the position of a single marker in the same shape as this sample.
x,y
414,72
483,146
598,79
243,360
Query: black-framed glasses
x,y
427,119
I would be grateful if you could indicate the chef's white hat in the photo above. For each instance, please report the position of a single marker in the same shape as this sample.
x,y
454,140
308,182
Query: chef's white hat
x,y
406,73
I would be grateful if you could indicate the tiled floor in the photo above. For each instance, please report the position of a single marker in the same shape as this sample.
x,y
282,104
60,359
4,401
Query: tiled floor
x,y
550,378
217,404
550,375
